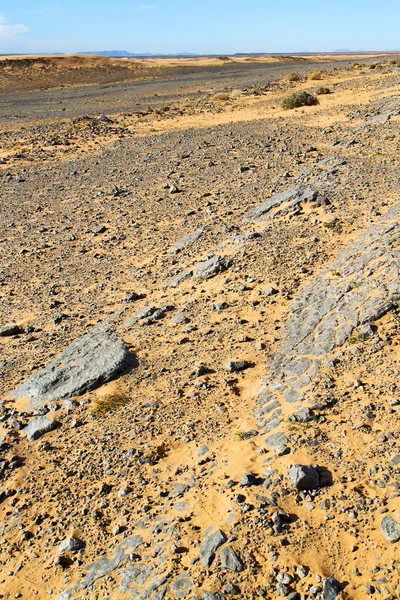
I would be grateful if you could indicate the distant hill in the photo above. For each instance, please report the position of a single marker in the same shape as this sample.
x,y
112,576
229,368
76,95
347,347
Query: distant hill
x,y
125,54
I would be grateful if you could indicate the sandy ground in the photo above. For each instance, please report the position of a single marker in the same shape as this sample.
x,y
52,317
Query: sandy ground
x,y
87,217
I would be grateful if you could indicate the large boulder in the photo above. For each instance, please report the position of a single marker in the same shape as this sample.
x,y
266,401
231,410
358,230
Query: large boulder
x,y
304,477
87,363
38,427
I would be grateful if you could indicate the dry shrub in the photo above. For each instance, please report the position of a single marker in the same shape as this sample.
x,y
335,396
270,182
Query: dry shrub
x,y
292,77
299,99
106,404
221,97
321,91
315,76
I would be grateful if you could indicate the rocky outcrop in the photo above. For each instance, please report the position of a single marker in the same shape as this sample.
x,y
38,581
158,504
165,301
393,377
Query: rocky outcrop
x,y
87,363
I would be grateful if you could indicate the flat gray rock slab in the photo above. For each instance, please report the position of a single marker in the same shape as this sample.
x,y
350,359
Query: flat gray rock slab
x,y
298,194
211,267
188,240
230,560
87,363
210,546
104,565
38,427
359,287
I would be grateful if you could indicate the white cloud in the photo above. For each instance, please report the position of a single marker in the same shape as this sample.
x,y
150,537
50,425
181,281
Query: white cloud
x,y
9,32
146,6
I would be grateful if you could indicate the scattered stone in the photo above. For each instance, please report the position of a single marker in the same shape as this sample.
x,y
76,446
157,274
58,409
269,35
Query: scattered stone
x,y
390,529
9,330
331,589
71,544
248,479
230,560
210,546
234,366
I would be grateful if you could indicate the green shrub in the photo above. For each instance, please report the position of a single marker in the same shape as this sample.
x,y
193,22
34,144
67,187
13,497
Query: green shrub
x,y
299,99
321,91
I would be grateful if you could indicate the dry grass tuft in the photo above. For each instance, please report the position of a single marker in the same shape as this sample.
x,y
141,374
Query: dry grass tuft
x,y
221,97
315,76
292,77
106,404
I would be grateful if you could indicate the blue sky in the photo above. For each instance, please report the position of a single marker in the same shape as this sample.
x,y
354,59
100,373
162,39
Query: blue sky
x,y
202,26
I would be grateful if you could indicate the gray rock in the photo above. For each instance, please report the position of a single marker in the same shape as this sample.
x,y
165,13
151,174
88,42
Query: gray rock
x,y
38,427
210,546
302,415
390,529
395,461
181,586
295,194
145,311
276,439
8,330
304,477
213,596
70,544
179,278
70,404
87,363
331,589
270,291
211,267
230,560
202,450
234,366
232,589
188,240
248,479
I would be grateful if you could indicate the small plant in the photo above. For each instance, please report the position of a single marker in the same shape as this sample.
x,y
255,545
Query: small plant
x,y
241,435
299,99
373,66
221,97
334,225
315,76
292,77
322,91
111,402
360,337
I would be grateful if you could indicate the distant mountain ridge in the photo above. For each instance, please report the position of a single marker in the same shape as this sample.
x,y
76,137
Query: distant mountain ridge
x,y
126,54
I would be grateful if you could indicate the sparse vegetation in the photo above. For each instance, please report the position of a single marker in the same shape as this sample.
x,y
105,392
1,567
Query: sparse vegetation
x,y
221,97
315,76
292,77
299,99
322,91
106,404
333,225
